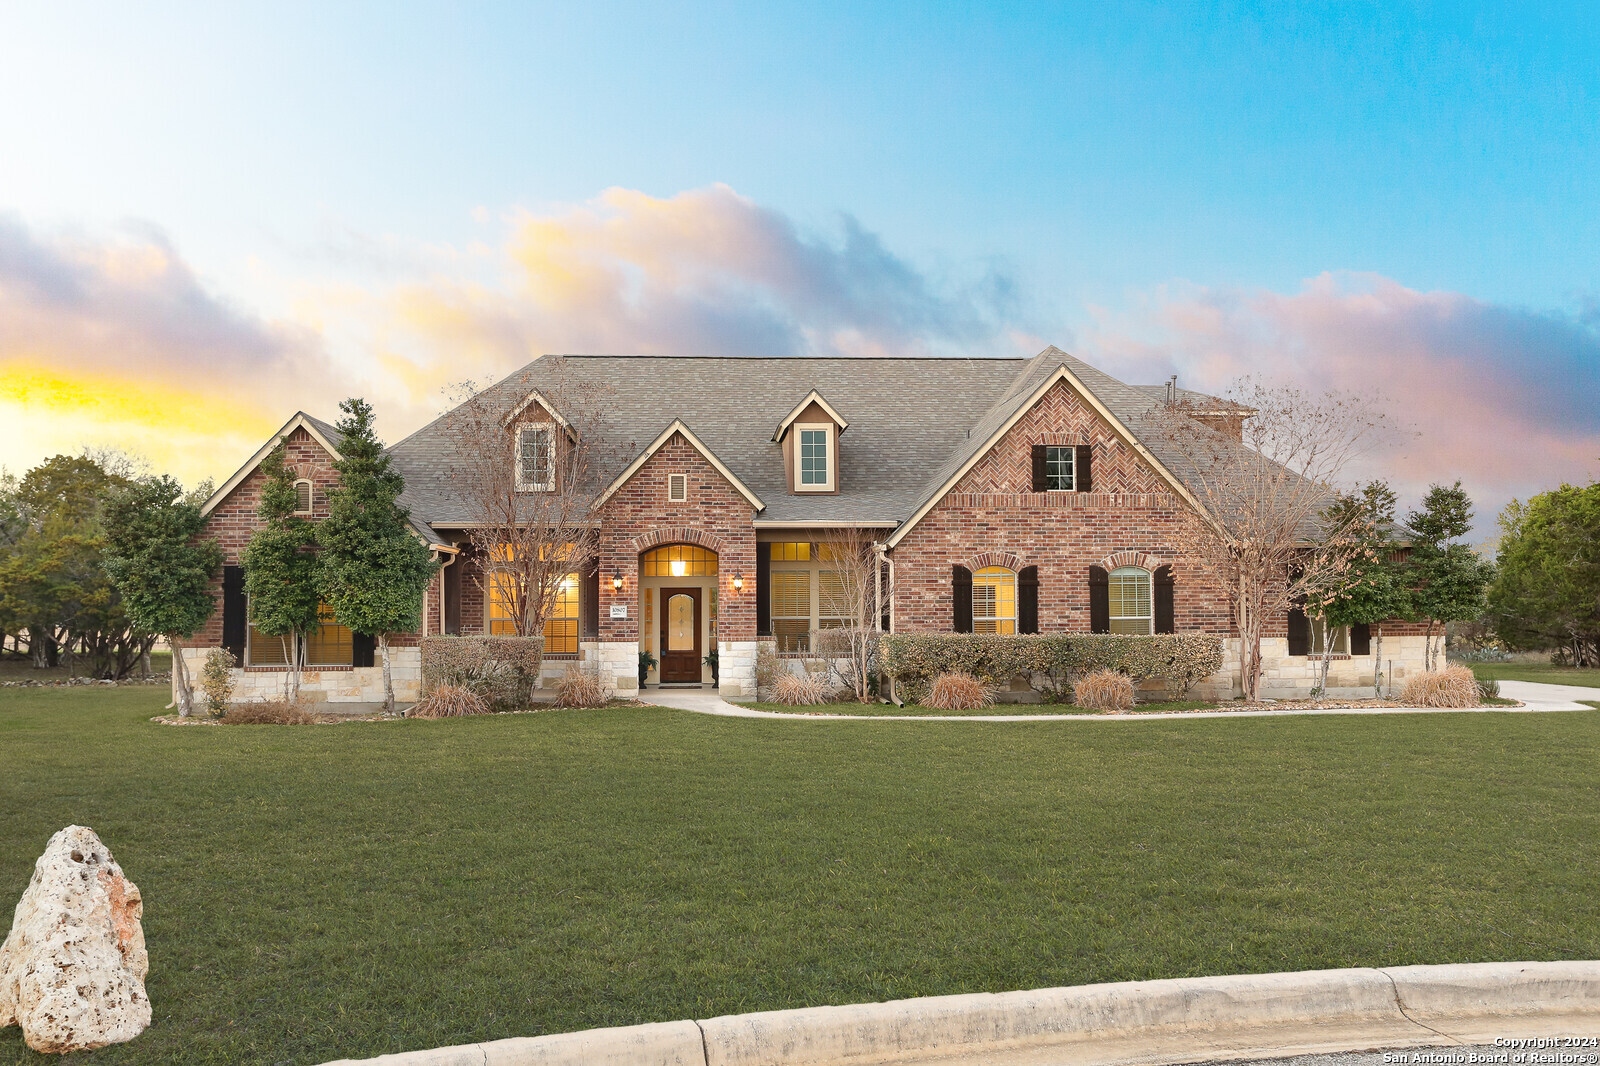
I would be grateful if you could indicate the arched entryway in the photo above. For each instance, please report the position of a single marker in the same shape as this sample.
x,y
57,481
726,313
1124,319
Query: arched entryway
x,y
678,604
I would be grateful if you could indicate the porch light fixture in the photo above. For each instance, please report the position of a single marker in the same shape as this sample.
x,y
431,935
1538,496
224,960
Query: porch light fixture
x,y
738,582
616,580
679,567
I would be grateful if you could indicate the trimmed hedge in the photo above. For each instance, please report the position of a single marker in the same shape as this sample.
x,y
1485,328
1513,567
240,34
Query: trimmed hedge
x,y
503,670
1048,662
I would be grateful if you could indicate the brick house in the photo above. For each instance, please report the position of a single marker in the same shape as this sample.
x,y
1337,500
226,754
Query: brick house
x,y
1002,495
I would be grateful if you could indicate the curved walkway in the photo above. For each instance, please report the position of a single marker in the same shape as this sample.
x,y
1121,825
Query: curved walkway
x,y
1535,697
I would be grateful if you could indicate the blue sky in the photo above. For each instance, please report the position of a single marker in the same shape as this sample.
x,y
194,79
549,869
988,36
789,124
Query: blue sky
x,y
1103,177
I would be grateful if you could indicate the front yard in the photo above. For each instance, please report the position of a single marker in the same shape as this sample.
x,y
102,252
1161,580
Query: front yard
x,y
1543,673
318,891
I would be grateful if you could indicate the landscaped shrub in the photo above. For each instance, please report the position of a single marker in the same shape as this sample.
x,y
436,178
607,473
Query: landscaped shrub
x,y
1453,686
1488,688
768,667
1104,690
503,670
580,688
956,691
217,681
797,690
449,701
270,712
1048,662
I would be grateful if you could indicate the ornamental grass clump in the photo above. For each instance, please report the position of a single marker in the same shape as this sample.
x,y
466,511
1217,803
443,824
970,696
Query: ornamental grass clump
x,y
449,701
1104,690
1454,686
580,688
794,690
956,691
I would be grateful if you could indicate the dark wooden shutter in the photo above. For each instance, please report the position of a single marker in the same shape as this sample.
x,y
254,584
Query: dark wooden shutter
x,y
452,596
363,649
1039,467
233,611
763,590
1028,600
1299,632
1099,600
1082,474
961,595
1166,622
1361,639
589,601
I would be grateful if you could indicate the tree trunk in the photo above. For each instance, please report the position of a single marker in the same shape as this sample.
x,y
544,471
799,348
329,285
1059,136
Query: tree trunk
x,y
180,679
1427,648
145,669
1377,661
388,679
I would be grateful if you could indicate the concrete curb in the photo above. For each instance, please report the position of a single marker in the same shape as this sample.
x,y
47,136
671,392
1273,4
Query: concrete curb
x,y
1138,1022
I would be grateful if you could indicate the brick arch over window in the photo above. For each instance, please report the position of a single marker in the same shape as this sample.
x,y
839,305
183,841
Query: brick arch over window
x,y
1140,559
983,559
655,538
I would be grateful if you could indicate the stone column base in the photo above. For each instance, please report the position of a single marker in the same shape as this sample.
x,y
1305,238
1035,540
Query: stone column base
x,y
736,669
617,662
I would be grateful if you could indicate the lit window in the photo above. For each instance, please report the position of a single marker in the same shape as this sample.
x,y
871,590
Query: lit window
x,y
833,603
679,560
994,600
795,551
560,631
302,497
1058,468
1132,608
791,610
536,471
331,644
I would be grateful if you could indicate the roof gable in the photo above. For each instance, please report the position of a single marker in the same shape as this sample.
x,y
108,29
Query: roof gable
x,y
812,397
318,430
678,427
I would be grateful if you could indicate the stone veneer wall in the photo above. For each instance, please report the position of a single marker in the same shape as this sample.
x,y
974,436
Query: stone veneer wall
x,y
362,684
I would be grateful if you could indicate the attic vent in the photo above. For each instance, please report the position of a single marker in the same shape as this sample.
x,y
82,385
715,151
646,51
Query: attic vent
x,y
302,497
677,488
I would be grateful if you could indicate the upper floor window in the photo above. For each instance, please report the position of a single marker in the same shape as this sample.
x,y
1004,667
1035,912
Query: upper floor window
x,y
1132,602
1058,468
536,468
303,496
994,600
815,455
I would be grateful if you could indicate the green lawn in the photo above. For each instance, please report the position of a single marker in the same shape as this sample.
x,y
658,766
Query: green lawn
x,y
1541,672
879,710
20,668
319,891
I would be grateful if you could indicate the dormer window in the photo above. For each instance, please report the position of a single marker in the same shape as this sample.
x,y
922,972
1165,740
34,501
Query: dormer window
x,y
536,468
303,496
809,437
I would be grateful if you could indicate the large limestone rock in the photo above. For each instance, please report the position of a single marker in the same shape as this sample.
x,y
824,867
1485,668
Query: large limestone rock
x,y
72,969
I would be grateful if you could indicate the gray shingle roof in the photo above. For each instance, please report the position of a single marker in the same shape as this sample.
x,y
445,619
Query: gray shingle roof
x,y
905,415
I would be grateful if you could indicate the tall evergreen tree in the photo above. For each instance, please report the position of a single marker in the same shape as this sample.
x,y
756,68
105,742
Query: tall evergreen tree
x,y
374,568
1447,578
163,573
281,573
1377,590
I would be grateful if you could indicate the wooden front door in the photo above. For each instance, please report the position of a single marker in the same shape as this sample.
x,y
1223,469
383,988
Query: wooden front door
x,y
680,636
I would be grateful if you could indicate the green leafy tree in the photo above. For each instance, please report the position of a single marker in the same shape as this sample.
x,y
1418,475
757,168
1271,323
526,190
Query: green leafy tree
x,y
161,568
1546,591
281,572
1447,578
1376,590
374,569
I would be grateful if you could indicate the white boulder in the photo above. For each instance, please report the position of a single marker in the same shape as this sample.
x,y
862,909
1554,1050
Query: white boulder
x,y
72,969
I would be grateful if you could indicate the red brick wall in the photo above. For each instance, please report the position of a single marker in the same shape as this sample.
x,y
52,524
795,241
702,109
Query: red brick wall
x,y
991,518
639,517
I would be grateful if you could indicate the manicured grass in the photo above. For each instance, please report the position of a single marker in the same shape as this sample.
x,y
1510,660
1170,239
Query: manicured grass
x,y
20,668
319,891
1541,672
878,710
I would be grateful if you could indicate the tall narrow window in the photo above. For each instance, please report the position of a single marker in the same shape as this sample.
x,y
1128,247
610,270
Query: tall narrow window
x,y
302,496
813,453
994,600
1132,606
561,631
791,610
536,471
1058,468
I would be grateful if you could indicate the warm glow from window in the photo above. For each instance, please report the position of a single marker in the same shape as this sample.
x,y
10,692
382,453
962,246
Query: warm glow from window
x,y
679,567
678,560
994,600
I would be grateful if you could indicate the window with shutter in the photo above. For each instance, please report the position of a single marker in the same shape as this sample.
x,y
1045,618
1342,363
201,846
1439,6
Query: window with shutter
x,y
994,600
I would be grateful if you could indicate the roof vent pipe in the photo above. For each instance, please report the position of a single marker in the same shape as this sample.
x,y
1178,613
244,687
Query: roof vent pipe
x,y
1172,390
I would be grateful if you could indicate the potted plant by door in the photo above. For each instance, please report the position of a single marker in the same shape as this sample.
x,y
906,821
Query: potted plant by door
x,y
711,661
646,663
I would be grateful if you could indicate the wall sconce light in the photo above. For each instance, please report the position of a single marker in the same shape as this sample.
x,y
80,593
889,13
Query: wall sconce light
x,y
738,582
616,580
